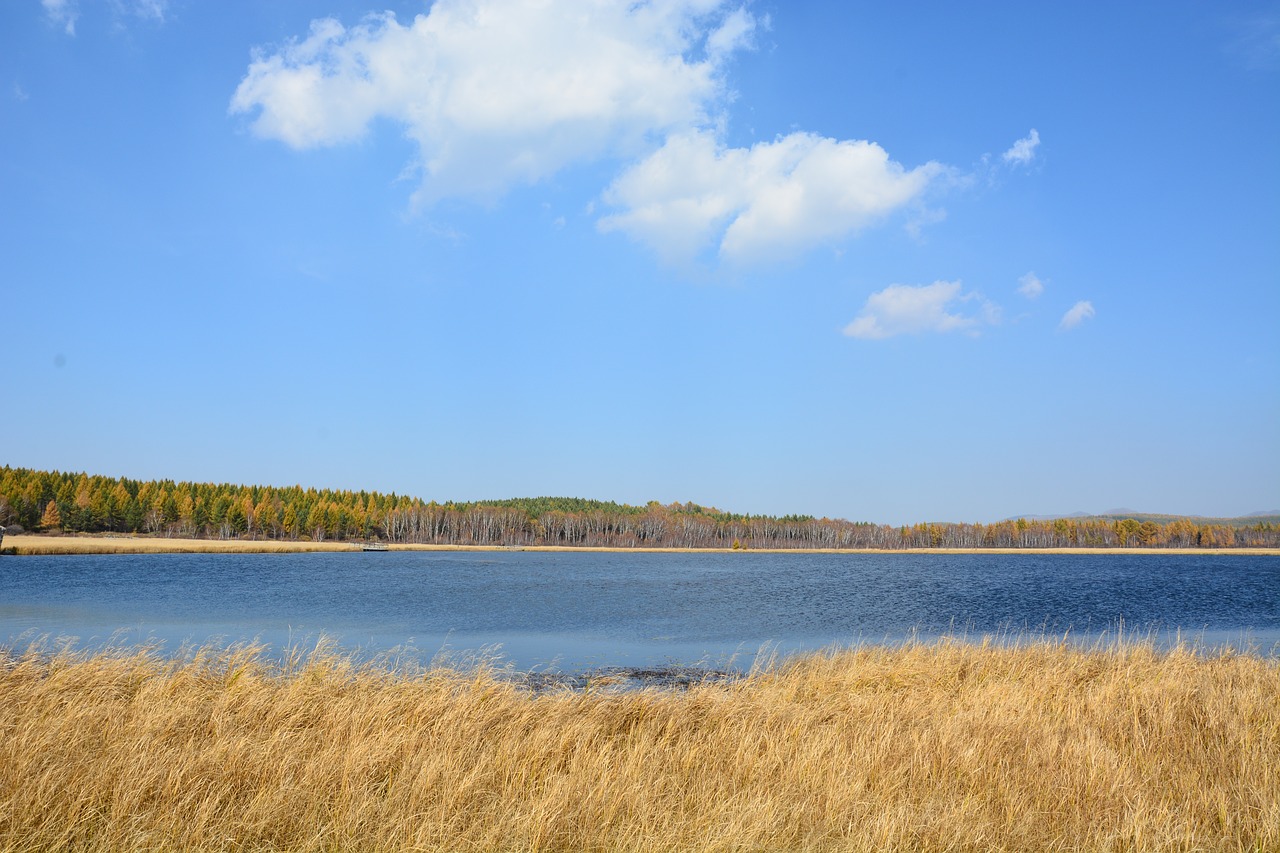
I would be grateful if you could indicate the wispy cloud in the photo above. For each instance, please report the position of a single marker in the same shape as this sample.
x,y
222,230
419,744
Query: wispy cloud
x,y
902,309
1257,41
1081,311
62,13
923,216
65,13
19,93
1024,150
154,10
1030,285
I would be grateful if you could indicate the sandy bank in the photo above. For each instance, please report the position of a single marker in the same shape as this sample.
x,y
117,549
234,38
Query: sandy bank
x,y
29,544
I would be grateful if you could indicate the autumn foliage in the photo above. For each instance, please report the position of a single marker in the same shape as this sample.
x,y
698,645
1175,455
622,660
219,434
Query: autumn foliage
x,y
42,500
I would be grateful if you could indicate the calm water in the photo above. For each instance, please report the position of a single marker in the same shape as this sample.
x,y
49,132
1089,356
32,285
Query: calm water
x,y
580,610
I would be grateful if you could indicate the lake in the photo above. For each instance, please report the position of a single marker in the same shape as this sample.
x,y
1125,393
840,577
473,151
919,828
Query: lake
x,y
575,611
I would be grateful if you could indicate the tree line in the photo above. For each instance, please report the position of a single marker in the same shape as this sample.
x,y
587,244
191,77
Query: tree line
x,y
52,501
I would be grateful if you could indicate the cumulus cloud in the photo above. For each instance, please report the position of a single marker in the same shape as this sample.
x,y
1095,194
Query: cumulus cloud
x,y
1081,311
497,92
902,309
757,203
1030,286
1024,150
62,13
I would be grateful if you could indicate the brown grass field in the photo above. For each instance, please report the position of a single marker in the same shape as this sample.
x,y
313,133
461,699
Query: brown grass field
x,y
943,747
29,545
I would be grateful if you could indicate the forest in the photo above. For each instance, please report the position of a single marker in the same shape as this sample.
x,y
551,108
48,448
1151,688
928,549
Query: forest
x,y
56,502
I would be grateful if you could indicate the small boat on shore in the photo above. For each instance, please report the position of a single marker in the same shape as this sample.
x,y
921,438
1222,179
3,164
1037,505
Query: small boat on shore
x,y
373,546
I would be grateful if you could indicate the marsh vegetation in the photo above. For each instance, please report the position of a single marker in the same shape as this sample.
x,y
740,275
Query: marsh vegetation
x,y
944,745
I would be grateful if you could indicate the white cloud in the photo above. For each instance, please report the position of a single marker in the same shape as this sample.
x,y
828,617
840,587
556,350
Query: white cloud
x,y
902,309
62,13
1024,150
1030,286
500,92
758,203
20,93
1081,311
733,34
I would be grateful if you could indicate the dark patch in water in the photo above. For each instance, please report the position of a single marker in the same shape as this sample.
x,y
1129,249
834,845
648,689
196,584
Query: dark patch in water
x,y
624,678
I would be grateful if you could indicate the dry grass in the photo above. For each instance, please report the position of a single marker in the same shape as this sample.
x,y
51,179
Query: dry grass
x,y
944,746
28,544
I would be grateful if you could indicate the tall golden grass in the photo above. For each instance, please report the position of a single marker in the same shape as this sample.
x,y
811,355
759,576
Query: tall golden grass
x,y
942,746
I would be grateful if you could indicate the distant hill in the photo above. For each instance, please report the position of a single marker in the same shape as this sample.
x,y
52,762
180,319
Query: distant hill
x,y
1272,517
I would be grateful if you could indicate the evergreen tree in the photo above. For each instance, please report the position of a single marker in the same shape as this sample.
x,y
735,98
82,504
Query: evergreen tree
x,y
134,515
236,518
199,517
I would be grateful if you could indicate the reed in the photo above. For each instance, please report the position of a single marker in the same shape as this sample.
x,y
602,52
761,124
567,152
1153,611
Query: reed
x,y
942,746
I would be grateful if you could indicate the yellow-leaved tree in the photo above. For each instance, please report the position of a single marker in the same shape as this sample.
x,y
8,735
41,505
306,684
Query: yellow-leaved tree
x,y
52,518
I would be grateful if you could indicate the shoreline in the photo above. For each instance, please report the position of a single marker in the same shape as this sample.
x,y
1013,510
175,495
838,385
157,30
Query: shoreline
x,y
26,544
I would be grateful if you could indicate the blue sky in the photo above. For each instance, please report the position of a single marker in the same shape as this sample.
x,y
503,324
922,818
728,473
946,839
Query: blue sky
x,y
883,262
